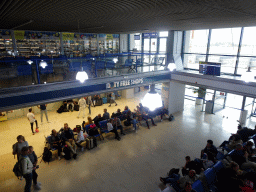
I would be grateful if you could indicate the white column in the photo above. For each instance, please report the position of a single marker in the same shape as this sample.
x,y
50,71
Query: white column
x,y
128,93
175,98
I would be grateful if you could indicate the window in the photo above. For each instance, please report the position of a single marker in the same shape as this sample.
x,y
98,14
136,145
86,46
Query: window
x,y
146,45
227,63
153,44
249,42
196,41
163,34
192,60
162,47
225,41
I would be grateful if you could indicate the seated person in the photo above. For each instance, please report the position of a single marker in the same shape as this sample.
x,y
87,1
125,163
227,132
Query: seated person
x,y
180,182
188,187
106,115
236,140
118,113
117,125
228,177
93,130
80,137
248,148
241,158
97,119
111,129
190,165
55,142
68,137
245,133
126,108
209,149
83,126
132,120
145,116
89,121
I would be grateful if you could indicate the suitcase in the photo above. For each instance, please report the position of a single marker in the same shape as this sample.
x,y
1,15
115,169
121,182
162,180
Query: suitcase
x,y
76,107
104,100
89,143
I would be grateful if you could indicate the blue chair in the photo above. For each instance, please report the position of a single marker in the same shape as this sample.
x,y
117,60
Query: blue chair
x,y
129,63
100,64
24,70
220,156
103,126
198,186
75,66
47,70
110,64
87,131
210,177
218,166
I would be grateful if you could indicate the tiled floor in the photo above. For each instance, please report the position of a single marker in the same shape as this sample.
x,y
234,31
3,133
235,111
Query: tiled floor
x,y
133,164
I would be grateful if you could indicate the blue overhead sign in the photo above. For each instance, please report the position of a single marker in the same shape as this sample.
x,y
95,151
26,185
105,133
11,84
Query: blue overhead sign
x,y
150,35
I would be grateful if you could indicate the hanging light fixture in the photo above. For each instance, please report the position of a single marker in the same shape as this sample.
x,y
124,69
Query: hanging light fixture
x,y
29,62
115,60
81,76
248,76
43,64
171,66
152,99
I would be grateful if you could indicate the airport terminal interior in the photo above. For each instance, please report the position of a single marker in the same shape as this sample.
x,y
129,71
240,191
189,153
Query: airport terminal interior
x,y
195,59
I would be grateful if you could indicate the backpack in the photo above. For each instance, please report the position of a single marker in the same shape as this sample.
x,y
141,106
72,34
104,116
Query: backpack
x,y
67,152
47,155
171,117
172,171
127,123
17,169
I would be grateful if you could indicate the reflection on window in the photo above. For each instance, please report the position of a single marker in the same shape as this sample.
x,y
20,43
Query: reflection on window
x,y
249,42
163,34
227,63
196,41
162,47
225,41
192,61
153,45
146,44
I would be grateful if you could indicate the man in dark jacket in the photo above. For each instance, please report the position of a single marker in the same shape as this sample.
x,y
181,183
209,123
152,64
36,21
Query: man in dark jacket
x,y
245,133
210,149
97,119
33,158
68,137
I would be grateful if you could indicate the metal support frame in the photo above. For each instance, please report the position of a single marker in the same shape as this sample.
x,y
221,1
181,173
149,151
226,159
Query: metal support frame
x,y
208,45
37,72
183,47
238,50
61,44
14,45
243,103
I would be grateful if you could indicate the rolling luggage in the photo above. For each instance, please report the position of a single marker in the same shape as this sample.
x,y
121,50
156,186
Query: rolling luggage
x,y
89,143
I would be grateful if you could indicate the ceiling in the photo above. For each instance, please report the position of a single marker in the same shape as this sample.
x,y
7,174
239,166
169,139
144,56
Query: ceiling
x,y
125,16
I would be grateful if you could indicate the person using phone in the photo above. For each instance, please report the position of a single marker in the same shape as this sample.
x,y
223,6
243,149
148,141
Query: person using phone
x,y
33,158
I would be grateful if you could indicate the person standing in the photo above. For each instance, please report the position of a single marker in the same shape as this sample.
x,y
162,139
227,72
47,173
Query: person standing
x,y
19,145
27,168
33,158
90,103
32,119
112,99
43,110
82,106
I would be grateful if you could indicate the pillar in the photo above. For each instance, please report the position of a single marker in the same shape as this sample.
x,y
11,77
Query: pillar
x,y
173,96
243,114
128,93
61,44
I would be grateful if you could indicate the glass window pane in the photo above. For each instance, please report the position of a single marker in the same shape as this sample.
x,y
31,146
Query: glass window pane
x,y
191,61
244,63
146,44
162,47
225,41
227,63
196,41
163,34
249,42
153,44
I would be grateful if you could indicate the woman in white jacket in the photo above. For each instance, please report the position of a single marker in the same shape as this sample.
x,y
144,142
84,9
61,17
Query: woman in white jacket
x,y
27,168
80,137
